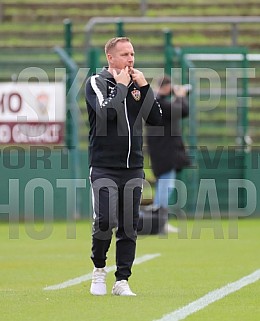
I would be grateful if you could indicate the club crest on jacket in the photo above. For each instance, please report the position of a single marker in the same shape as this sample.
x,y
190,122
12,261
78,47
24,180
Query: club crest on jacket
x,y
136,94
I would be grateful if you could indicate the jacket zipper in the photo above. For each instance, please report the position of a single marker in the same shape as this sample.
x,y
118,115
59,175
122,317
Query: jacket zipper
x,y
129,135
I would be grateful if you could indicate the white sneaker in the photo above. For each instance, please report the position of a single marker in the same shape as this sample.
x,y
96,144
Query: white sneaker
x,y
122,288
98,285
171,229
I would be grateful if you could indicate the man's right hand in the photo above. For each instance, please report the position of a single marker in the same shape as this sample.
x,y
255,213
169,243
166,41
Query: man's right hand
x,y
122,77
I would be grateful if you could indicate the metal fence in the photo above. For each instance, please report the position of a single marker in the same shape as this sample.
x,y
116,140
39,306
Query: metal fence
x,y
206,128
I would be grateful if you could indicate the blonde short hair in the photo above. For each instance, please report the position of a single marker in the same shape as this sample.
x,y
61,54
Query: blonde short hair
x,y
113,41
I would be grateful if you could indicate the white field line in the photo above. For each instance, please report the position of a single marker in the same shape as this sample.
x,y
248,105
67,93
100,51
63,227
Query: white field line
x,y
88,276
211,297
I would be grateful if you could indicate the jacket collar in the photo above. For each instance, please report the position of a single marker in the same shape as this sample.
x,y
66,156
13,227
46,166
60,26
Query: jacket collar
x,y
105,73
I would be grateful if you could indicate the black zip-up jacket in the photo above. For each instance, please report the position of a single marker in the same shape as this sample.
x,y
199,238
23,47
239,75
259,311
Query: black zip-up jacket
x,y
116,113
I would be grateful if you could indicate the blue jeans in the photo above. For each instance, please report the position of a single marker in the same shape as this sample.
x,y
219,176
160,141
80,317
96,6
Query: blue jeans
x,y
163,188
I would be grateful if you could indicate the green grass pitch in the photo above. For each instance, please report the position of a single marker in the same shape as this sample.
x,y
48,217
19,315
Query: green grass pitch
x,y
204,256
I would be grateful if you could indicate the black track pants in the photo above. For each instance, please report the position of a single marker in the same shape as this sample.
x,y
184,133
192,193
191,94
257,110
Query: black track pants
x,y
116,196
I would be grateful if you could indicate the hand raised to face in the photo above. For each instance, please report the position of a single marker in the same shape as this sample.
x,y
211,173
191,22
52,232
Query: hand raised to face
x,y
138,77
122,76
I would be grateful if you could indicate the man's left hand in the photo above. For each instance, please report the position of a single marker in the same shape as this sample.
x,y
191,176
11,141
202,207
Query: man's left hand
x,y
138,77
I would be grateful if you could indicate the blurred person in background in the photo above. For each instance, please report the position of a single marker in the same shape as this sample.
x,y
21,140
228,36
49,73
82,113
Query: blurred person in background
x,y
166,149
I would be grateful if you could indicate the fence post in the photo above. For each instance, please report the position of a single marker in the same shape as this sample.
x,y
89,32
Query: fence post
x,y
71,129
120,28
93,57
68,36
192,176
168,52
72,106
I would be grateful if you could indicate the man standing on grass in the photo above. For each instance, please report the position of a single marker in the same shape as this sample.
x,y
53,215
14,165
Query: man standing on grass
x,y
118,99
